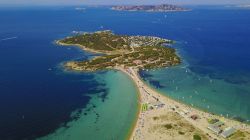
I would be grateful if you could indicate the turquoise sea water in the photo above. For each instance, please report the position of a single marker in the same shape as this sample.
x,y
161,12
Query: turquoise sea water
x,y
111,119
38,99
215,73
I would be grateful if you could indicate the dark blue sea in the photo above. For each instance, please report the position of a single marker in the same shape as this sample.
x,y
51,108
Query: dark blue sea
x,y
37,97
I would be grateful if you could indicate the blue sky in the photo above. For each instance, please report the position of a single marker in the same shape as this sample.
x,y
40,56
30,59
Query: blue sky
x,y
109,2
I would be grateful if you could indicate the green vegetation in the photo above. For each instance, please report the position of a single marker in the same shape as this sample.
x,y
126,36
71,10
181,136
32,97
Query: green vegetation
x,y
240,135
196,137
212,121
168,126
100,41
144,107
144,52
155,118
181,133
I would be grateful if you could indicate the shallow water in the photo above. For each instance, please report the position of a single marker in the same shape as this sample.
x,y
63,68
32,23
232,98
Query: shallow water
x,y
37,97
111,119
215,73
213,95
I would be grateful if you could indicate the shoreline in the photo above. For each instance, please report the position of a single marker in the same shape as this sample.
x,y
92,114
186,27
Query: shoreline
x,y
133,126
133,74
136,131
135,120
82,47
194,107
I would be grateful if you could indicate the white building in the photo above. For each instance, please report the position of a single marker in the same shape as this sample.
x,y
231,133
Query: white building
x,y
228,132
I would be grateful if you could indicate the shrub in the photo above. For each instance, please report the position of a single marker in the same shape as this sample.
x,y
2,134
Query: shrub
x,y
168,126
197,137
181,133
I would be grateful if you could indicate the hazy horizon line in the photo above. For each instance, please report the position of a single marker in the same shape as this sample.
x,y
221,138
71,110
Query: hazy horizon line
x,y
25,5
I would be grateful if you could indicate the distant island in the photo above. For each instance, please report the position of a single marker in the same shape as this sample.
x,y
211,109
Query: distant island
x,y
144,52
150,8
244,6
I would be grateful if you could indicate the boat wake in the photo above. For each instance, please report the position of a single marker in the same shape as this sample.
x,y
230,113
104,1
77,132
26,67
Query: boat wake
x,y
9,38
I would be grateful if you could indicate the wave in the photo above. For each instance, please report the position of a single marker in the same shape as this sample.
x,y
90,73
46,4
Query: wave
x,y
9,38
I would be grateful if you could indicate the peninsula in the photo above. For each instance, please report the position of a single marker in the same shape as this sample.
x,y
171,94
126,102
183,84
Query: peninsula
x,y
150,8
159,117
144,52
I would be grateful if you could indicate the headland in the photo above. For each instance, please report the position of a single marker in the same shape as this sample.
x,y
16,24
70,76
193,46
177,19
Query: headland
x,y
145,52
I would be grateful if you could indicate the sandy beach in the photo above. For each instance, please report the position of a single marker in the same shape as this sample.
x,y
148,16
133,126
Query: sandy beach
x,y
82,47
160,117
173,120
